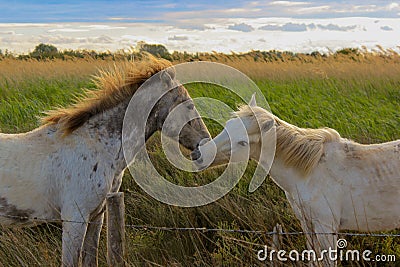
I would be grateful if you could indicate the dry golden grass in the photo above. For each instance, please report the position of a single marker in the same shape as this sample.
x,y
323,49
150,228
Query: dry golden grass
x,y
20,70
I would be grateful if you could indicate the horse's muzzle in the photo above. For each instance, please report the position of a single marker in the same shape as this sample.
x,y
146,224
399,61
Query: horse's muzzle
x,y
195,155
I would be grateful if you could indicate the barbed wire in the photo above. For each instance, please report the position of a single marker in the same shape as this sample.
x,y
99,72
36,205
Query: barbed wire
x,y
197,229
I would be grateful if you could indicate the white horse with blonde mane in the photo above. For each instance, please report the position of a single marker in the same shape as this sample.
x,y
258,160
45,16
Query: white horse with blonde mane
x,y
331,183
64,169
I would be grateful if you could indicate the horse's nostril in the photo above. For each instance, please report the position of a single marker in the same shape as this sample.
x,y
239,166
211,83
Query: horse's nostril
x,y
195,155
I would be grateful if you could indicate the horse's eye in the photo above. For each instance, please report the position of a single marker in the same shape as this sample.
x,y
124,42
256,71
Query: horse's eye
x,y
190,106
243,143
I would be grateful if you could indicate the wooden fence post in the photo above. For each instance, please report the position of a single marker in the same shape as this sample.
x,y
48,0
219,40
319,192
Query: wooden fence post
x,y
277,241
277,238
115,229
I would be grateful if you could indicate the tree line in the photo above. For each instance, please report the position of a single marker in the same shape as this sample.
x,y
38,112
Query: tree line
x,y
50,52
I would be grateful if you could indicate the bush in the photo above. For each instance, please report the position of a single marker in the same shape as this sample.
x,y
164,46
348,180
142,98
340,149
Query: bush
x,y
44,51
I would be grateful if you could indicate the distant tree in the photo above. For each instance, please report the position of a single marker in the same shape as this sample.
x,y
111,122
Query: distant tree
x,y
44,51
348,51
154,49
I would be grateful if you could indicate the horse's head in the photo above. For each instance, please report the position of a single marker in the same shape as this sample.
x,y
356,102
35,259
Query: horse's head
x,y
240,140
186,121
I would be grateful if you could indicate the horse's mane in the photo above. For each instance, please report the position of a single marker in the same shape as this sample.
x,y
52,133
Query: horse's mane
x,y
112,87
301,148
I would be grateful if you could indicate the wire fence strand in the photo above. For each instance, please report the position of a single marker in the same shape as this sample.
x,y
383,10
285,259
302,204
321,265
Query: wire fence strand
x,y
198,229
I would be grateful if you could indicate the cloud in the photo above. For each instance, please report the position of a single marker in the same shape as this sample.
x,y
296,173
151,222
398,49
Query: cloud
x,y
294,27
242,27
313,10
301,27
67,30
334,27
298,35
101,40
288,3
270,27
386,28
194,27
393,6
63,40
178,38
288,27
212,15
103,27
7,32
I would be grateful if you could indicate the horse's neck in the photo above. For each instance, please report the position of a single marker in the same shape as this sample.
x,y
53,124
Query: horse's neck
x,y
106,128
284,176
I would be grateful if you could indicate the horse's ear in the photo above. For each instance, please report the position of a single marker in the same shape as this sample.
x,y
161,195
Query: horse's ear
x,y
267,125
166,78
253,102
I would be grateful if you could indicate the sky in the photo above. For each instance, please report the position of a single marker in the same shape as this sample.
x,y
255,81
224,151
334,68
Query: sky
x,y
223,26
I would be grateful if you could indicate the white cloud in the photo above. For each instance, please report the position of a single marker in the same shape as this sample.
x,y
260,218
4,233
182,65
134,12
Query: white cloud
x,y
67,30
102,27
212,15
239,10
313,10
65,40
288,3
101,40
178,38
393,6
24,25
8,32
242,27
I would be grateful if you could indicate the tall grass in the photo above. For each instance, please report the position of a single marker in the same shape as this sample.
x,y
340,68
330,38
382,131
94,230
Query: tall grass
x,y
359,98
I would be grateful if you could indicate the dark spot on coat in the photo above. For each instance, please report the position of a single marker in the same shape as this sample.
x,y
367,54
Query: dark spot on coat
x,y
95,167
12,212
348,148
378,172
397,148
351,152
93,170
51,130
84,158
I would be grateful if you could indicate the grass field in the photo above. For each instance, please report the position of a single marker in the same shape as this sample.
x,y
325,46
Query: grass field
x,y
358,97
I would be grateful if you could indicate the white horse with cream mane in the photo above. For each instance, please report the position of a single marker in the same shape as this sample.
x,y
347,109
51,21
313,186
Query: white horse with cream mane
x,y
331,183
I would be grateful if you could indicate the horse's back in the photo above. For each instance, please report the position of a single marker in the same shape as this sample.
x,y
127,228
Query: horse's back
x,y
370,177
